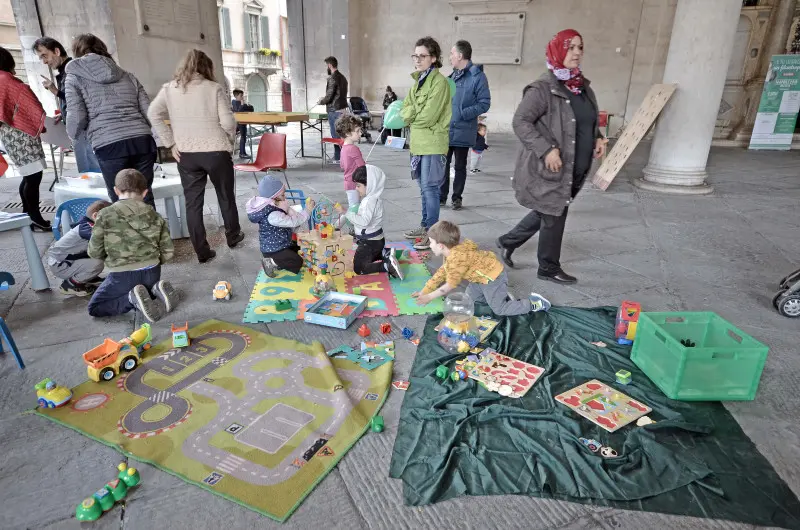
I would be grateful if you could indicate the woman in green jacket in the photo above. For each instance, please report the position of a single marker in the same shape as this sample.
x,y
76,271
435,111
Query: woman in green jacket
x,y
427,111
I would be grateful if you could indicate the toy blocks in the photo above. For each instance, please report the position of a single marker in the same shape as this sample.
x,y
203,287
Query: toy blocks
x,y
627,320
442,372
377,424
623,377
408,333
363,330
283,305
386,328
357,290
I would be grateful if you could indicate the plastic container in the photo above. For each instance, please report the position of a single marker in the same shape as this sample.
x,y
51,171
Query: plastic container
x,y
720,363
458,331
85,180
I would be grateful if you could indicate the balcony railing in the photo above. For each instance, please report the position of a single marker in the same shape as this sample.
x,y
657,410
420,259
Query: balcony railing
x,y
258,60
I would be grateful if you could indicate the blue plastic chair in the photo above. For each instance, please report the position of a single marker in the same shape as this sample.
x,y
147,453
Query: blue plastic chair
x,y
7,280
76,209
298,197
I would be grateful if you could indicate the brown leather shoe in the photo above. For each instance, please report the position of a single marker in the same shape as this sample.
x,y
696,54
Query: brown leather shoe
x,y
559,277
505,253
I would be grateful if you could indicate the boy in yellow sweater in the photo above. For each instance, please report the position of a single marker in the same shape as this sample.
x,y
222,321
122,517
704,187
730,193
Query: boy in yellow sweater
x,y
488,281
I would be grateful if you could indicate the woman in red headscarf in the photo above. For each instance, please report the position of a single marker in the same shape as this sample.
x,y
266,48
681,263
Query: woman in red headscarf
x,y
557,125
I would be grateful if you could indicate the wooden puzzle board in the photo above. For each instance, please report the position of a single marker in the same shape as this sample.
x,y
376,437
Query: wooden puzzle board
x,y
504,375
602,405
645,115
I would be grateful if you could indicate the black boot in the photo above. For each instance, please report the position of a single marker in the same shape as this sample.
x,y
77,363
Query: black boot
x,y
505,253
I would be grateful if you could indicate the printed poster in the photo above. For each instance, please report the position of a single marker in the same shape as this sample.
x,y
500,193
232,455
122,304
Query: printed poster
x,y
780,102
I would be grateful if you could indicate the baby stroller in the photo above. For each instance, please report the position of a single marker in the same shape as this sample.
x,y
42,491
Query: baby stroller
x,y
787,299
359,109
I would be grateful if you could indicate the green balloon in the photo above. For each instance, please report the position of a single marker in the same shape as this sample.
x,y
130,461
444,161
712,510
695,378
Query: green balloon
x,y
392,118
452,87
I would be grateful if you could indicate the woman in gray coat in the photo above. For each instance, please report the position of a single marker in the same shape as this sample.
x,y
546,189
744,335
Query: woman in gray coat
x,y
110,106
557,125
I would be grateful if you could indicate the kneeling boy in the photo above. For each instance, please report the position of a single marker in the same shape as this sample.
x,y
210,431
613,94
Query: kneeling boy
x,y
371,252
488,281
68,258
133,241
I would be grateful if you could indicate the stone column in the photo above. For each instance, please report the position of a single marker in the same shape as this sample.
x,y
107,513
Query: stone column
x,y
699,54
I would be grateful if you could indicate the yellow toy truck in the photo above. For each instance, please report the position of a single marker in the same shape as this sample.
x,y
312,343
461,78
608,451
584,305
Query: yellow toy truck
x,y
105,361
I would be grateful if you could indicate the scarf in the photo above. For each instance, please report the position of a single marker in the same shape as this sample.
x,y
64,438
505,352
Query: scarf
x,y
458,74
556,52
19,107
423,75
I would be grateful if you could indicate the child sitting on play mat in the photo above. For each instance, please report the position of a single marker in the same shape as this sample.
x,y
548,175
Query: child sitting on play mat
x,y
69,260
349,128
488,281
276,223
371,253
133,241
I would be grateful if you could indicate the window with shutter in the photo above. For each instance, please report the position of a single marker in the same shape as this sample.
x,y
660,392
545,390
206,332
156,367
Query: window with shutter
x,y
248,45
225,27
265,32
255,41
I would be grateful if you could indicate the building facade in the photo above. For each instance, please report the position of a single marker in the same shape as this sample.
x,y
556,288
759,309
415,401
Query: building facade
x,y
254,41
9,38
626,44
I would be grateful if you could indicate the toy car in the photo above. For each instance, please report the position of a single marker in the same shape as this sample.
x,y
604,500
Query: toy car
x,y
51,395
180,336
221,290
787,299
105,361
593,445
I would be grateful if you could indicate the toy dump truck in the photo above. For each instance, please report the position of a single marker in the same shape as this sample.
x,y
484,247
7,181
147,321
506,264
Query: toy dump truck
x,y
108,359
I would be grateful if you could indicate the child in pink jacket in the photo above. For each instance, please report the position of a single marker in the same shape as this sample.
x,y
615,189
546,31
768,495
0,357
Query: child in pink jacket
x,y
349,128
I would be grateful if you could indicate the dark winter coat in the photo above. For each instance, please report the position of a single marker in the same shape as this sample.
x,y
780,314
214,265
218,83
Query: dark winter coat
x,y
105,101
471,100
335,92
544,121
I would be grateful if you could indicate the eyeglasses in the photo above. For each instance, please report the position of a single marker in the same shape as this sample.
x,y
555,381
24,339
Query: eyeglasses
x,y
419,57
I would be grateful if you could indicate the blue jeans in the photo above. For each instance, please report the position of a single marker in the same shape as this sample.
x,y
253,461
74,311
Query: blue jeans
x,y
111,298
84,155
332,117
430,174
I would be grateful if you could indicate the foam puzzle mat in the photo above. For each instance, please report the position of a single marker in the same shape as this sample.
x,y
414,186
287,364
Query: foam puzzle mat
x,y
386,296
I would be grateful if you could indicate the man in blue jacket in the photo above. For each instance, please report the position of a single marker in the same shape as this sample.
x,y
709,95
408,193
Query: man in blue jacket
x,y
472,99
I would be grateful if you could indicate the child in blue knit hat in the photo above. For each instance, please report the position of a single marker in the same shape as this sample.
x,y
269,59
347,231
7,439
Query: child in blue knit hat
x,y
276,222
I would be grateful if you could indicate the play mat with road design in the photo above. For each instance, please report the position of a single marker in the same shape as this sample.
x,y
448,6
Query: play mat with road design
x,y
254,418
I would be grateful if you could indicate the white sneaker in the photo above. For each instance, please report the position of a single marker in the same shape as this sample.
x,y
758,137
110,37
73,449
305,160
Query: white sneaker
x,y
415,233
393,267
539,303
269,266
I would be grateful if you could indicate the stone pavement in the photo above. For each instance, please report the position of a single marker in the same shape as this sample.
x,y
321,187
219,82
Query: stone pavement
x,y
723,253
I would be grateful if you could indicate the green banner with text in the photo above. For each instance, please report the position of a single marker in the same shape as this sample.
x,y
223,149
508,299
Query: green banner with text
x,y
780,102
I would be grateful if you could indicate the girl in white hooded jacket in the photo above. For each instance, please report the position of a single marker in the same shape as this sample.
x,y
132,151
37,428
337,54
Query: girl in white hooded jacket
x,y
367,218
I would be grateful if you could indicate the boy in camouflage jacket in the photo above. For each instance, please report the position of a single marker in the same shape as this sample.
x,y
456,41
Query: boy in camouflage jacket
x,y
133,241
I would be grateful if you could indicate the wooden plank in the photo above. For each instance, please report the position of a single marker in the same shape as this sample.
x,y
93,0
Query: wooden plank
x,y
268,118
634,131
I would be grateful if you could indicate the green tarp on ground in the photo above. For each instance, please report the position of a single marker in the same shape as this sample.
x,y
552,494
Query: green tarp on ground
x,y
457,438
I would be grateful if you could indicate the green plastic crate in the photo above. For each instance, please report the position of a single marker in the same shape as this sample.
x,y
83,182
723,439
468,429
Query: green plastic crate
x,y
724,365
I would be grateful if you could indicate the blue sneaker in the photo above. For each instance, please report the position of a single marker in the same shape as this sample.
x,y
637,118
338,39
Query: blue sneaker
x,y
539,303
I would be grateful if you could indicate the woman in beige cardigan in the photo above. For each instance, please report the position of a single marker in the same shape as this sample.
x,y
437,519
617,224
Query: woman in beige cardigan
x,y
200,132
